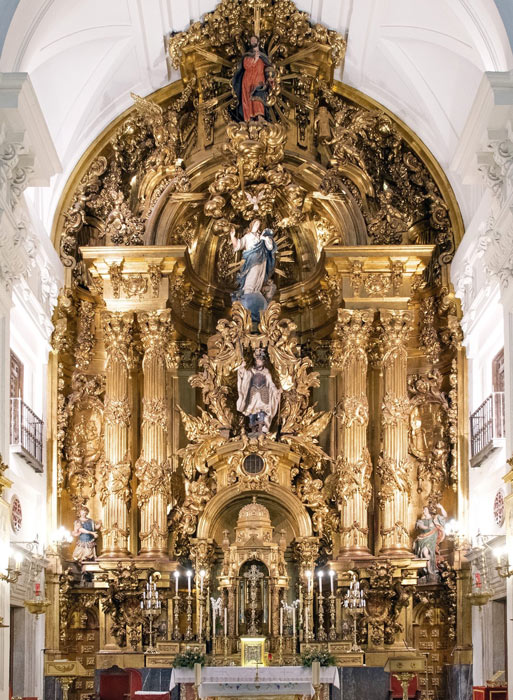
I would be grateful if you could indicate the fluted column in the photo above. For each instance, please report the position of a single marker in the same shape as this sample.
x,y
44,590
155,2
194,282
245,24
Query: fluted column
x,y
393,464
353,465
153,469
115,479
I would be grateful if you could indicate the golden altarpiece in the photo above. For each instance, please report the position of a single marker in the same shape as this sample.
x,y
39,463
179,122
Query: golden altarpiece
x,y
360,341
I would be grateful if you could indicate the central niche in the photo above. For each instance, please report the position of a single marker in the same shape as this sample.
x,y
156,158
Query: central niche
x,y
254,569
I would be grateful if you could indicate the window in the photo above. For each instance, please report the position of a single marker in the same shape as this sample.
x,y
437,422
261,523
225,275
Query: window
x,y
16,377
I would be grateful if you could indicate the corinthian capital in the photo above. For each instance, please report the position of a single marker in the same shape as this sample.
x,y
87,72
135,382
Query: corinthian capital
x,y
352,332
394,328
156,328
117,330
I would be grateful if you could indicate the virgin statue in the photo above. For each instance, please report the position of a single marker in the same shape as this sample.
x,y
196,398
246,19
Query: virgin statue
x,y
251,83
432,533
259,397
259,256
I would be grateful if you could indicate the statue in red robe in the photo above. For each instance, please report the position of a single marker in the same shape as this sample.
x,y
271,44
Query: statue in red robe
x,y
251,83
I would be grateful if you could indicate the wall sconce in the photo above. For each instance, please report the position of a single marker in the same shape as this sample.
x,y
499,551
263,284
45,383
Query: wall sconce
x,y
13,574
454,533
503,568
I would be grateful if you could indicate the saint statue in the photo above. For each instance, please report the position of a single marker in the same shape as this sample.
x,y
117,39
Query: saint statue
x,y
258,396
87,532
255,278
432,533
251,83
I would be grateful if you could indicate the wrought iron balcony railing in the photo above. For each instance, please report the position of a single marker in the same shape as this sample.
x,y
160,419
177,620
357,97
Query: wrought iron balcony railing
x,y
487,427
27,434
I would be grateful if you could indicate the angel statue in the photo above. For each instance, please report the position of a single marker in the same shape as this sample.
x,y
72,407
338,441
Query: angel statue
x,y
432,532
256,287
252,82
259,397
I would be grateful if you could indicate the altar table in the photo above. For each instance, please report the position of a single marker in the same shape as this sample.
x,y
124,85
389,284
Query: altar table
x,y
234,681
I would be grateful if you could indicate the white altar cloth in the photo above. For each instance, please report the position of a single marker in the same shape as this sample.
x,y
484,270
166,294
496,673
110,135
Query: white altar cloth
x,y
232,681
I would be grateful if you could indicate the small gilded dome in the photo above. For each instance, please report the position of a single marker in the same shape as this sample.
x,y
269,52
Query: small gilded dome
x,y
254,512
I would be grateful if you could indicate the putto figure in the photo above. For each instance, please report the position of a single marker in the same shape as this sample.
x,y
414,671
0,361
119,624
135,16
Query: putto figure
x,y
255,278
87,532
432,527
252,82
259,398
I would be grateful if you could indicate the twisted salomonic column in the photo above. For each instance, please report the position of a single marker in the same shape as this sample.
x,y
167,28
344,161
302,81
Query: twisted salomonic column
x,y
115,486
153,469
353,465
393,464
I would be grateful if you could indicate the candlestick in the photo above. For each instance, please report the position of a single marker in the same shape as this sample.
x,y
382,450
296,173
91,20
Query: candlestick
x,y
176,617
225,621
188,631
281,622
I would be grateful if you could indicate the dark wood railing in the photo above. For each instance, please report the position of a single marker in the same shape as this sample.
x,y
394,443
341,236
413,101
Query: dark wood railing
x,y
27,433
487,423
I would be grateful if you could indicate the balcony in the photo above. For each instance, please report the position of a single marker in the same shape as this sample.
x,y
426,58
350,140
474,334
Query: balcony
x,y
26,434
487,428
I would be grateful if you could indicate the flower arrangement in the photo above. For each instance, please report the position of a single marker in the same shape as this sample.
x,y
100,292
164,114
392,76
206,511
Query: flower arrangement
x,y
323,657
188,658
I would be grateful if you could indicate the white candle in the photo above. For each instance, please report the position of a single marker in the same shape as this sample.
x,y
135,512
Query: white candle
x,y
316,673
213,621
309,581
202,578
197,674
281,622
226,622
189,575
177,576
320,575
332,576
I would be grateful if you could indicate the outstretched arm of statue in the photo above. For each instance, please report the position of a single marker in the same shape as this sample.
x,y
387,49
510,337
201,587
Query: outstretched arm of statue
x,y
442,510
235,241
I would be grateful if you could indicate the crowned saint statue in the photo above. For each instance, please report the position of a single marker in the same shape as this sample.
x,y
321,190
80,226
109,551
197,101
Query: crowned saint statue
x,y
251,83
259,398
256,287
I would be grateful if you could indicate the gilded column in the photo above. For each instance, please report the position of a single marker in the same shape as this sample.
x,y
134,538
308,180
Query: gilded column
x,y
393,464
153,469
116,471
353,465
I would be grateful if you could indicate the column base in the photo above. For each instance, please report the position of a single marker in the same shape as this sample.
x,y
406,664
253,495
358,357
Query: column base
x,y
354,553
153,554
395,551
116,554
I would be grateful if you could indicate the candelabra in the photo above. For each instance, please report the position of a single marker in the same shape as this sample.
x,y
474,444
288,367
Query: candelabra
x,y
12,574
151,608
503,568
354,601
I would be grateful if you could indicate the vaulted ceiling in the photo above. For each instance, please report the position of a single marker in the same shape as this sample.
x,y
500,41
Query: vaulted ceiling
x,y
424,60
